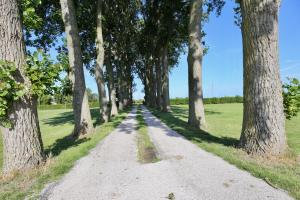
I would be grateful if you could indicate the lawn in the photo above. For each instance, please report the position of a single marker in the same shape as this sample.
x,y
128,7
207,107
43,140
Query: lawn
x,y
224,127
56,125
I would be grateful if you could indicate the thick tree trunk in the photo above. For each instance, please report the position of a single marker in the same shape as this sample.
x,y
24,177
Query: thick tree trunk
x,y
158,84
112,90
263,129
22,143
196,107
99,75
82,115
165,82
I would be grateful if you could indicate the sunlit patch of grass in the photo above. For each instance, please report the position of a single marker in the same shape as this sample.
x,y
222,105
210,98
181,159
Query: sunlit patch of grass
x,y
224,128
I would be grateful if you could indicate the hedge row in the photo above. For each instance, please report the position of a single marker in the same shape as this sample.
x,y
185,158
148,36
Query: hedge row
x,y
176,101
64,106
214,100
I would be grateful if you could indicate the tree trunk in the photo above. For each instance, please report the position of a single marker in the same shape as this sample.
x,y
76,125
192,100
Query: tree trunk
x,y
263,130
130,92
22,143
146,89
148,84
82,115
125,93
152,85
114,108
158,84
99,75
196,107
126,85
120,90
165,82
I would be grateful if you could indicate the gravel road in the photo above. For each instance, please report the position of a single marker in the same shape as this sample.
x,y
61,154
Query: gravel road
x,y
185,172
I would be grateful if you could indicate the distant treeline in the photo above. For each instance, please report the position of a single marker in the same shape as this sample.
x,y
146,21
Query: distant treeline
x,y
213,100
175,101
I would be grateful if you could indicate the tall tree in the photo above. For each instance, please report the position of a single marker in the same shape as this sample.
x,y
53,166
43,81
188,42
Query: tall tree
x,y
22,141
111,85
99,68
263,129
197,16
82,115
161,40
165,81
158,81
195,55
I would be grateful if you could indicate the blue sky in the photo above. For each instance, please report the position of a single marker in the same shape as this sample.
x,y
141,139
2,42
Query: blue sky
x,y
222,66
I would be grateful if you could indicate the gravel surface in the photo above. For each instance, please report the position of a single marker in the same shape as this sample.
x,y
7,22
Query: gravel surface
x,y
111,171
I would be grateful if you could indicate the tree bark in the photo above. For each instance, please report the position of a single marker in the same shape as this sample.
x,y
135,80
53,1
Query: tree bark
x,y
120,90
112,90
22,143
126,85
195,55
158,84
82,115
263,130
165,82
125,93
146,89
99,75
129,89
152,85
147,84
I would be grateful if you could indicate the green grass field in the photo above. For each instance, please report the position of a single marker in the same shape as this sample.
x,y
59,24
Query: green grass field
x,y
224,127
56,125
225,120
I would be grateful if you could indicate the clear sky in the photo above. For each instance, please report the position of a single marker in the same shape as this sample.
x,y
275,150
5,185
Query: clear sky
x,y
222,66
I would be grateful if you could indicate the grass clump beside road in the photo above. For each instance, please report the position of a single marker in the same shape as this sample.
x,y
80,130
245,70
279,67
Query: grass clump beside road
x,y
56,126
224,128
146,149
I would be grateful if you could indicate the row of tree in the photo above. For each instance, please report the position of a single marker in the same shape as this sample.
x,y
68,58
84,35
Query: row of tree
x,y
170,26
115,40
110,27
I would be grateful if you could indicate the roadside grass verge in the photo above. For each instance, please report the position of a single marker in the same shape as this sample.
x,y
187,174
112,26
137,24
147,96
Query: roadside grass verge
x,y
56,125
224,126
146,149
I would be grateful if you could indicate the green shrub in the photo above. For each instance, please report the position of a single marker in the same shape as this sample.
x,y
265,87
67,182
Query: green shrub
x,y
291,98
